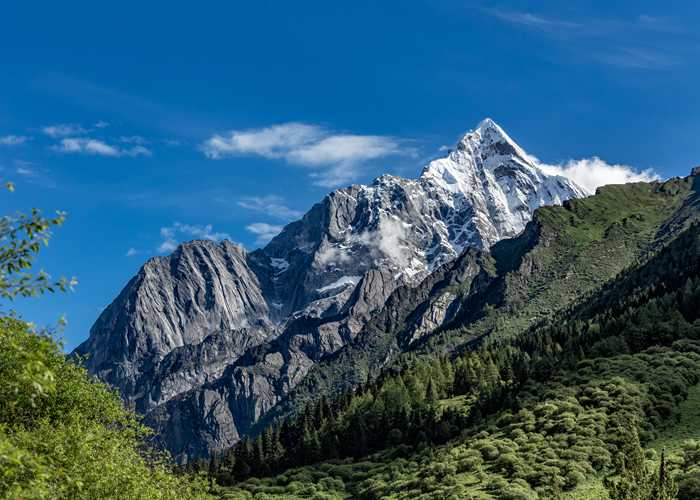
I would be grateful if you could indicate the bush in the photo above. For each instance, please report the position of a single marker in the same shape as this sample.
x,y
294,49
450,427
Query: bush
x,y
689,486
63,435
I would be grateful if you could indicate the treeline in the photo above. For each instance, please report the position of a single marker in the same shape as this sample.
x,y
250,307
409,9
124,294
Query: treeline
x,y
654,304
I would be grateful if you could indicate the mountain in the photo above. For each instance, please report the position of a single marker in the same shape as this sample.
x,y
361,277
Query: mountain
x,y
565,253
208,340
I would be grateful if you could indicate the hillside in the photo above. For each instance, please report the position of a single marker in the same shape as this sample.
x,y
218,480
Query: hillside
x,y
550,412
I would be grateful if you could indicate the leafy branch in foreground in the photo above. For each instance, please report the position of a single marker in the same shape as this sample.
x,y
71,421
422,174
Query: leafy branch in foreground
x,y
21,237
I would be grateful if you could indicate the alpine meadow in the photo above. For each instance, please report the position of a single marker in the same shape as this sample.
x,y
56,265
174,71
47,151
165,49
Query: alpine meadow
x,y
310,266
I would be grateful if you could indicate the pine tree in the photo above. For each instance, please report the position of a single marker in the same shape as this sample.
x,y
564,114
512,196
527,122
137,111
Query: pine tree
x,y
665,487
431,395
633,479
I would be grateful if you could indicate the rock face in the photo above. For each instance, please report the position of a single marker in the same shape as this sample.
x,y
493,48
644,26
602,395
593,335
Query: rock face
x,y
168,313
209,339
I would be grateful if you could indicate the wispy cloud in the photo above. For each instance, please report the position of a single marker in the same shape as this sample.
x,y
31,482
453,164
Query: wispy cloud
x,y
101,124
178,232
13,140
26,169
264,231
134,139
271,204
592,173
64,130
32,172
585,27
84,145
637,58
643,42
333,158
123,105
531,20
132,252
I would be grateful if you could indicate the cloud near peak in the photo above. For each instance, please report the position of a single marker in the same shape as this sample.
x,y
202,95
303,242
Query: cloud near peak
x,y
591,173
271,205
264,231
333,158
177,232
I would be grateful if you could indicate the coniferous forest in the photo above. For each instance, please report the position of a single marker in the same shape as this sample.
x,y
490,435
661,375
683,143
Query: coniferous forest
x,y
565,406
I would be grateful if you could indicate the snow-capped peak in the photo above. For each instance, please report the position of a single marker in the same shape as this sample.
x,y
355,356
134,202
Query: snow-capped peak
x,y
483,191
489,133
490,173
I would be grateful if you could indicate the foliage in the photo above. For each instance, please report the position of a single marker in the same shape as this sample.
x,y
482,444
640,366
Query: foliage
x,y
22,236
63,435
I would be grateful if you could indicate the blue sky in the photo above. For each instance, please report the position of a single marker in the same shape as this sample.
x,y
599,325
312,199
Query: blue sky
x,y
151,124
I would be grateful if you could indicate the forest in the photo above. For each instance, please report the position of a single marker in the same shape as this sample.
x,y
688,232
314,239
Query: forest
x,y
561,406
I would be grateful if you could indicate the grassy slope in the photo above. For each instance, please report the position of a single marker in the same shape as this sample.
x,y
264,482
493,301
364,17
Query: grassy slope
x,y
583,404
671,438
581,245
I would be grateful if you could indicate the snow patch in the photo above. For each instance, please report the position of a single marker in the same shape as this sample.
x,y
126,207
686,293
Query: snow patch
x,y
342,281
280,265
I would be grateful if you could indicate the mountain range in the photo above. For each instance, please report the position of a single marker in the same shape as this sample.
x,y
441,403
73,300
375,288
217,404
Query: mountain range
x,y
212,341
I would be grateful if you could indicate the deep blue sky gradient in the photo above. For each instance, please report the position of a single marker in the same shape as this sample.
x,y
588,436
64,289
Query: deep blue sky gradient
x,y
611,79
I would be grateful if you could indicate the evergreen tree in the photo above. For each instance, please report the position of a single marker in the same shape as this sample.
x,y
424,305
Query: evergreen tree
x,y
665,488
431,395
633,480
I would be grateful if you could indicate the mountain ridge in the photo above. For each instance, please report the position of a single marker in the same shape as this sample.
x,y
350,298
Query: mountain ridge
x,y
211,307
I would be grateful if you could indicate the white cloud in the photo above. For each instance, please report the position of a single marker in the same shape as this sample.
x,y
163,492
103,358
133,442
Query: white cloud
x,y
344,148
25,171
264,231
167,246
131,252
64,130
101,124
134,139
98,147
270,142
13,140
177,232
630,43
592,173
386,241
637,58
271,204
334,158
